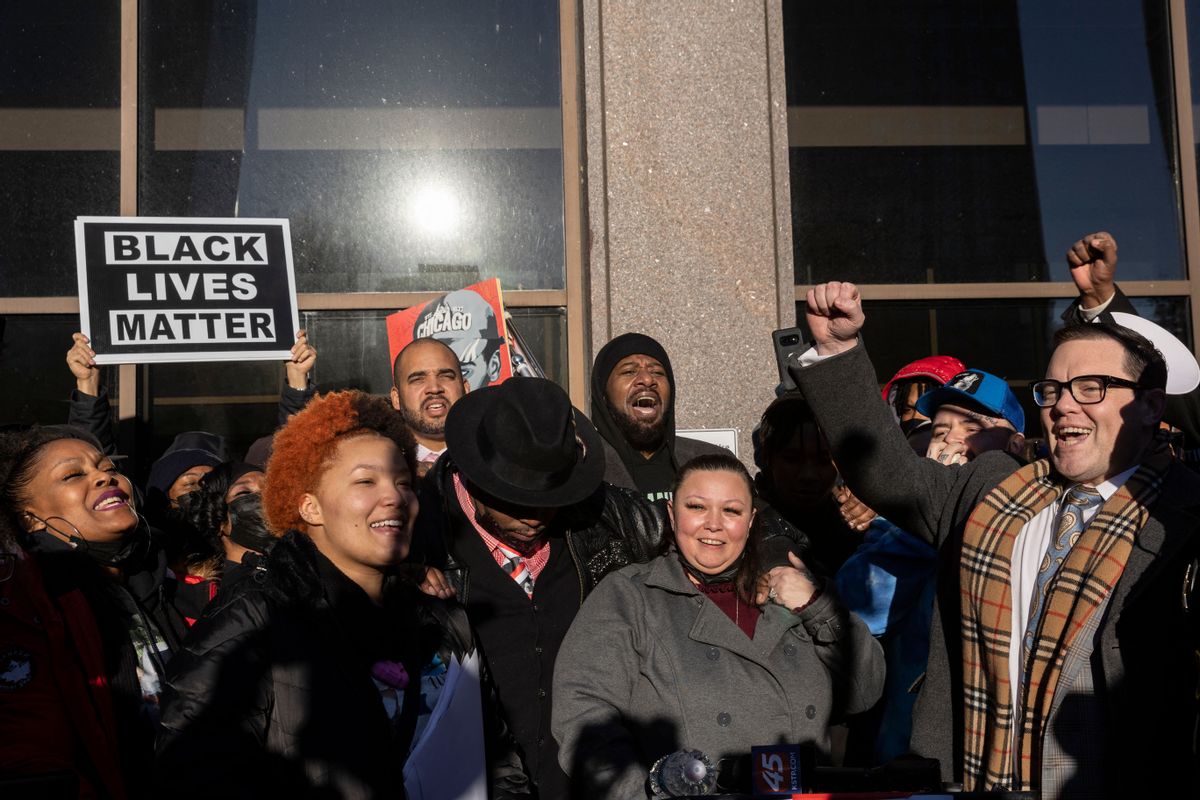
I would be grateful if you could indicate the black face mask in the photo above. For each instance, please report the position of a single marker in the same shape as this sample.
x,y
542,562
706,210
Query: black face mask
x,y
115,554
128,548
246,524
725,576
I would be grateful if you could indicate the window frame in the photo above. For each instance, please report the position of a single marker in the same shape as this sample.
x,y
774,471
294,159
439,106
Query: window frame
x,y
133,385
1190,200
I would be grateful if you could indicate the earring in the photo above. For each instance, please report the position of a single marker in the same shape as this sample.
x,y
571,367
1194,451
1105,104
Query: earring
x,y
66,537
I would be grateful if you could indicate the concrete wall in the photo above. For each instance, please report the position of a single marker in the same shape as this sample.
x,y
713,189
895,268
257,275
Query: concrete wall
x,y
687,191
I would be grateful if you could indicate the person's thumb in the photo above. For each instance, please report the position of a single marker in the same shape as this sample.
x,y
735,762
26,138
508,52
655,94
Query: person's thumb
x,y
796,560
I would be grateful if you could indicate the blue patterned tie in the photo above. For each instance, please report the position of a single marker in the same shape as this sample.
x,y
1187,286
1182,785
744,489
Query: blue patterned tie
x,y
1071,523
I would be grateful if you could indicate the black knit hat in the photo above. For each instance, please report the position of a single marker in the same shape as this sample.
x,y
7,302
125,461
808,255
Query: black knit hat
x,y
623,346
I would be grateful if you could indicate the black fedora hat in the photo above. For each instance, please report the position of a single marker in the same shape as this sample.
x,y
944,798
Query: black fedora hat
x,y
522,442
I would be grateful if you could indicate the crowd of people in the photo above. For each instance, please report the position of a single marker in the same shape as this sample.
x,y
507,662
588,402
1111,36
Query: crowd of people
x,y
484,593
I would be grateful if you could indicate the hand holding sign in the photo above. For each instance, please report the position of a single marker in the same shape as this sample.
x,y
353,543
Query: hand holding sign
x,y
82,361
304,358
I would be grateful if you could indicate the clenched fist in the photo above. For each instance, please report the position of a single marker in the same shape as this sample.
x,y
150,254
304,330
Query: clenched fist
x,y
835,316
1093,263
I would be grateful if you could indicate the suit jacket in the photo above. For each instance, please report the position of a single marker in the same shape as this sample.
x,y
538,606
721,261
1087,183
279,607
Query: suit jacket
x,y
1143,664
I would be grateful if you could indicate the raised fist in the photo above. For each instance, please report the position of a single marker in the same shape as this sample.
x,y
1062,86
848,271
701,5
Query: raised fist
x,y
1093,263
835,316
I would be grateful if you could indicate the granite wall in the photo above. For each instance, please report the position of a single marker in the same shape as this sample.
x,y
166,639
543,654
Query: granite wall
x,y
687,193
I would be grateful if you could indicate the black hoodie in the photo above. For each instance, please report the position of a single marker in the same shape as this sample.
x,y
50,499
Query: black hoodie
x,y
652,476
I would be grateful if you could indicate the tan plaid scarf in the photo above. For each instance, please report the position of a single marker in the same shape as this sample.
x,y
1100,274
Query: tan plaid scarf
x,y
1082,583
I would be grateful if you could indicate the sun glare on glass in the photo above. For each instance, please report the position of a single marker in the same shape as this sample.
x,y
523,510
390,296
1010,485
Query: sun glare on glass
x,y
434,209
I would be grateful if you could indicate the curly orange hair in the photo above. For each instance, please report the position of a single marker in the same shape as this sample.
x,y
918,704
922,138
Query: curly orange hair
x,y
310,439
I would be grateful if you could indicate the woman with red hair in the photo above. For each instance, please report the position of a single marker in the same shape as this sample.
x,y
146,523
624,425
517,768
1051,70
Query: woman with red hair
x,y
331,675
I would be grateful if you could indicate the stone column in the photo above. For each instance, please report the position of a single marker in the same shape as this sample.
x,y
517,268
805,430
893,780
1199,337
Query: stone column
x,y
688,194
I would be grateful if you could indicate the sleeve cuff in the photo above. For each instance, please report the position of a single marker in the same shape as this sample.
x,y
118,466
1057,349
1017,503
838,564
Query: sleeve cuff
x,y
1090,314
811,356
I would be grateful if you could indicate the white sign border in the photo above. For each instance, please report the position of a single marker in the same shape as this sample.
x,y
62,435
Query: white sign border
x,y
184,358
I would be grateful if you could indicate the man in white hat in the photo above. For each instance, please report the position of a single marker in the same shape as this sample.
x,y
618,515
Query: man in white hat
x,y
1068,663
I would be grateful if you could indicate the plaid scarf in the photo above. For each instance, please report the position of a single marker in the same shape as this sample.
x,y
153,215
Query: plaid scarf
x,y
1082,583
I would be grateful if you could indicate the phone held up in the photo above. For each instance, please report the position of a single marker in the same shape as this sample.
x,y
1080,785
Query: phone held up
x,y
789,344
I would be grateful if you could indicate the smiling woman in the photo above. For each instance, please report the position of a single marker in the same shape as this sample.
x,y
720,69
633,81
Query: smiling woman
x,y
674,654
325,675
78,560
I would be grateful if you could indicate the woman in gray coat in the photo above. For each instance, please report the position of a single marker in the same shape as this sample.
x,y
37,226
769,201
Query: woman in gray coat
x,y
674,654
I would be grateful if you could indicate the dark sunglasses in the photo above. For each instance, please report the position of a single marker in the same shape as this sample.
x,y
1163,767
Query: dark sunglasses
x,y
1086,389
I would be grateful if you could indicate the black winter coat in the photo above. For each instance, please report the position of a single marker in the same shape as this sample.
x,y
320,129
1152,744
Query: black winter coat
x,y
612,528
272,695
148,593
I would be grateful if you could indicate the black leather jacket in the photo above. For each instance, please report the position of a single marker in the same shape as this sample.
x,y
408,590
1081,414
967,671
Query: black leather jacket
x,y
612,528
268,698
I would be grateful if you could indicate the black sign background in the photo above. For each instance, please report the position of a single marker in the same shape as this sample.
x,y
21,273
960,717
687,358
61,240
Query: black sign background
x,y
103,287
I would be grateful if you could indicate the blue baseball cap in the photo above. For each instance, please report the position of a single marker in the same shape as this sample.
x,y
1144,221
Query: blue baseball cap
x,y
974,387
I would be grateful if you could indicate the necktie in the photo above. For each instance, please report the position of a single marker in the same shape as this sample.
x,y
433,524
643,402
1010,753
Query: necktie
x,y
519,572
1072,520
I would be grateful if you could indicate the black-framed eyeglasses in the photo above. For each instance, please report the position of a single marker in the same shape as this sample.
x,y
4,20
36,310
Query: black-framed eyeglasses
x,y
1086,389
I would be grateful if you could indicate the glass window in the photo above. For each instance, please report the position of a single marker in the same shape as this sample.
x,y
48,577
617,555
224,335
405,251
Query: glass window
x,y
939,141
33,369
59,136
353,351
1192,11
1009,338
240,400
414,146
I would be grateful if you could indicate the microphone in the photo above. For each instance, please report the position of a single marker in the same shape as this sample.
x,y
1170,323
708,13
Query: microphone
x,y
683,773
776,770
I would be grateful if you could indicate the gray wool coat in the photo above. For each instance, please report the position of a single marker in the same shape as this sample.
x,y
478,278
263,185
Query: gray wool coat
x,y
651,666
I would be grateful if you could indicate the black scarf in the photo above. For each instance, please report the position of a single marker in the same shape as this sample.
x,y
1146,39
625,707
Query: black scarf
x,y
704,579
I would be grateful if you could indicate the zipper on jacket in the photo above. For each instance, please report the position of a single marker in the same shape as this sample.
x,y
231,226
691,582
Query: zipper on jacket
x,y
450,554
575,558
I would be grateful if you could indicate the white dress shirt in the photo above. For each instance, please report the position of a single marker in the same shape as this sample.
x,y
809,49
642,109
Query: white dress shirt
x,y
1028,551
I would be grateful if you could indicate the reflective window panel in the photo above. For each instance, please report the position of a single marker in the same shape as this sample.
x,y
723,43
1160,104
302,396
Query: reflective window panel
x,y
59,136
240,400
938,141
414,146
1192,14
33,369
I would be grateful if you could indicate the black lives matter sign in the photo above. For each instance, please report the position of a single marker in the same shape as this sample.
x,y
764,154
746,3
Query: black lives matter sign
x,y
156,289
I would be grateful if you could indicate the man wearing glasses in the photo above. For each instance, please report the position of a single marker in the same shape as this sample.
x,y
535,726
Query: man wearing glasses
x,y
1067,606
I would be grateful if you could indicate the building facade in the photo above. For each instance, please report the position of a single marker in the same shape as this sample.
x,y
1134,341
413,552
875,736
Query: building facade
x,y
684,168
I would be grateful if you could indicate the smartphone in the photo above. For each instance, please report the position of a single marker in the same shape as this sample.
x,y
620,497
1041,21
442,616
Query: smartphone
x,y
789,344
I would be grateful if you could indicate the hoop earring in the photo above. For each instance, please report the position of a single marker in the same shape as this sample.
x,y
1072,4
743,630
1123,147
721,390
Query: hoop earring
x,y
66,537
143,527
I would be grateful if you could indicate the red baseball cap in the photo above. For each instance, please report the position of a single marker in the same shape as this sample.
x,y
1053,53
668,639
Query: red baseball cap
x,y
939,368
